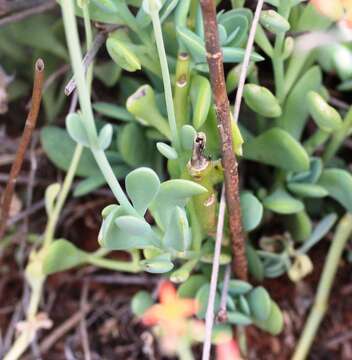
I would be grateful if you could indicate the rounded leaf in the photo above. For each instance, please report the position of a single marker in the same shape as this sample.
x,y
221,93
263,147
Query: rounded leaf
x,y
202,298
141,302
307,190
166,150
274,22
76,129
237,318
261,100
276,147
133,225
188,134
190,287
260,303
251,210
122,55
338,183
238,287
325,116
274,323
142,186
62,255
281,202
105,136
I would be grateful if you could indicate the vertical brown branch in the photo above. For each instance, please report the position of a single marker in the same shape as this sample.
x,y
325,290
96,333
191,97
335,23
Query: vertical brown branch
x,y
26,136
217,78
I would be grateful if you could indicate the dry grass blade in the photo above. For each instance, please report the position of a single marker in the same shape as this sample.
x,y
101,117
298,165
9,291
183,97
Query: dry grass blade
x,y
26,136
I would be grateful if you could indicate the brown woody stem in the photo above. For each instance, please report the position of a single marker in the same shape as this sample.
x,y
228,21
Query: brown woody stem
x,y
217,78
25,139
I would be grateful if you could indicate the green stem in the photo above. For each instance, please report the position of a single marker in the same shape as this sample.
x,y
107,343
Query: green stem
x,y
242,340
114,264
86,106
338,138
277,59
54,216
89,40
317,139
165,73
343,233
181,92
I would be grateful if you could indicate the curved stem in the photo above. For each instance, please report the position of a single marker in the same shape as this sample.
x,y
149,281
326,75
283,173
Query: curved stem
x,y
165,73
86,106
115,265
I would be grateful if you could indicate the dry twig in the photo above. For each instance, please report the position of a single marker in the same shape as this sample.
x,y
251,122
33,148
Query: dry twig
x,y
26,136
217,77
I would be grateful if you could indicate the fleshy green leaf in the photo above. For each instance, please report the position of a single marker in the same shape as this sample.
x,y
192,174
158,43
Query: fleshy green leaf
x,y
158,264
130,141
105,136
141,301
282,202
237,318
252,211
190,287
278,148
261,100
338,183
201,99
274,22
177,236
188,134
76,129
307,190
133,225
62,255
167,151
173,193
202,297
113,111
295,111
238,287
59,148
260,303
325,116
142,187
255,265
275,322
122,55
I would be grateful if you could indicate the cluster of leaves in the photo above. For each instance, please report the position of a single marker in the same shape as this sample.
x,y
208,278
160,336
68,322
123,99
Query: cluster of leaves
x,y
292,181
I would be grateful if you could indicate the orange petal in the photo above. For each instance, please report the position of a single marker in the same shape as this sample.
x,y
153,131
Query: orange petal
x,y
188,307
330,8
153,315
167,292
228,351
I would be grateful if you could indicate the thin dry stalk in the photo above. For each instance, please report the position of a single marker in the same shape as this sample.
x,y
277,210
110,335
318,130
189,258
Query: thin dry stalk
x,y
222,105
91,54
26,136
209,317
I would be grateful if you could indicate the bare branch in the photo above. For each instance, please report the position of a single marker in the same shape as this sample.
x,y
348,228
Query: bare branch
x,y
217,77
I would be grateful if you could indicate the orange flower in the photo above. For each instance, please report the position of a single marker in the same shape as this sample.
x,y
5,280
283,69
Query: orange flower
x,y
335,9
171,307
228,350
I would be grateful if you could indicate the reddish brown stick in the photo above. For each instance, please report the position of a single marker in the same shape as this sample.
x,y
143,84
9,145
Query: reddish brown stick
x,y
217,78
25,139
